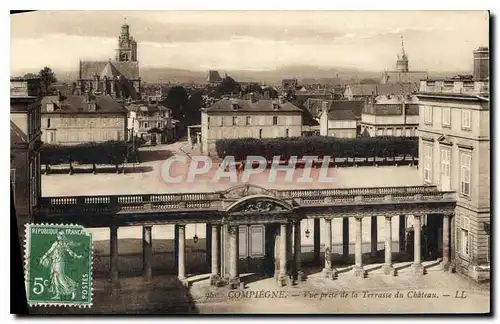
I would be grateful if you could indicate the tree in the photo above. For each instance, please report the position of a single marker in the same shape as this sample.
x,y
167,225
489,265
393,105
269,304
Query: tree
x,y
369,81
227,86
193,107
177,99
47,78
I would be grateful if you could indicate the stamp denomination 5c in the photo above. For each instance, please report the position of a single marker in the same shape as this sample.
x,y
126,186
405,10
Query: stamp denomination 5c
x,y
58,265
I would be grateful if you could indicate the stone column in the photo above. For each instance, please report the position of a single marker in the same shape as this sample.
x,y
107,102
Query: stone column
x,y
298,252
147,250
402,232
417,262
345,238
388,268
358,265
113,253
283,257
374,238
446,242
176,247
317,241
181,272
215,275
289,242
234,279
327,269
208,243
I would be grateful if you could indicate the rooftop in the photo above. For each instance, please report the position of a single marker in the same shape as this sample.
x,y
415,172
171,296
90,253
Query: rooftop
x,y
228,105
78,104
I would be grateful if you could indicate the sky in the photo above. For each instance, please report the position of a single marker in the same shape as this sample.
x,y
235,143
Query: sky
x,y
251,40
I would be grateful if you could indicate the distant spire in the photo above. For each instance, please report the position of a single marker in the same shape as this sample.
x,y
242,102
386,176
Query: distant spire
x,y
403,46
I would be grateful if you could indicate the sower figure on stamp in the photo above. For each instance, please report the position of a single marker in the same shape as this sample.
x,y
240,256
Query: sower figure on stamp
x,y
54,259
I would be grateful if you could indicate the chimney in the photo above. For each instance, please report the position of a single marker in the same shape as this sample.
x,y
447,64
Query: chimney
x,y
253,97
324,106
266,95
234,104
481,63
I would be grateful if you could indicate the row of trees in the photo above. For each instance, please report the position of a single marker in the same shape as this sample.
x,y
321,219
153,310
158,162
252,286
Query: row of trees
x,y
111,152
322,146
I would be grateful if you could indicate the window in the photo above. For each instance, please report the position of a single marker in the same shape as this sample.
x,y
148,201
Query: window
x,y
48,122
208,121
275,120
464,238
222,121
465,165
235,121
247,120
287,132
428,115
260,133
466,116
159,125
389,131
446,118
465,248
427,163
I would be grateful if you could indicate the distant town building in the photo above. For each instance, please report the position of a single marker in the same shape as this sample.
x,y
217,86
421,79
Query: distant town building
x,y
454,154
214,77
315,106
239,118
336,121
119,78
69,120
366,91
388,115
289,84
150,121
25,144
402,73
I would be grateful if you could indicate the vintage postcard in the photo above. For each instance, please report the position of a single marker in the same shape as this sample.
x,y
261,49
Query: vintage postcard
x,y
230,162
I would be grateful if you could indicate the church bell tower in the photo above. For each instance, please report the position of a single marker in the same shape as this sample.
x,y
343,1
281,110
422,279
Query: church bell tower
x,y
127,46
402,63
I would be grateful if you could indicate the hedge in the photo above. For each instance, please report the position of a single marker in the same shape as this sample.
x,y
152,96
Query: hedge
x,y
111,152
322,146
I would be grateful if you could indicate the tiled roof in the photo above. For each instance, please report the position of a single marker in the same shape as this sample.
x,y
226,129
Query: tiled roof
x,y
404,77
17,136
342,114
76,104
226,105
110,71
88,69
383,89
146,107
315,106
214,76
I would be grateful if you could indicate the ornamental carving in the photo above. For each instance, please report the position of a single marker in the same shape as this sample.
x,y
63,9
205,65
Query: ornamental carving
x,y
244,190
259,206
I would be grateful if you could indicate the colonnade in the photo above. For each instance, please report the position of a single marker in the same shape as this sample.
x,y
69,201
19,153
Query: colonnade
x,y
287,250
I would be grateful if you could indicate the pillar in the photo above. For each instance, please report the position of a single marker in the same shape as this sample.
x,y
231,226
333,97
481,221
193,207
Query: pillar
x,y
345,238
317,241
298,252
289,242
113,252
181,267
190,141
234,278
446,242
208,243
374,238
417,262
358,259
214,256
388,268
402,232
147,250
327,269
282,254
176,247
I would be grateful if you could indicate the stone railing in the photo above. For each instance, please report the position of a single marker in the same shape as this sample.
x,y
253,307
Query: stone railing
x,y
214,201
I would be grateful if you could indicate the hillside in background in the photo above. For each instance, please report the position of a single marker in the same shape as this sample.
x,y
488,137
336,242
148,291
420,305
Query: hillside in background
x,y
305,75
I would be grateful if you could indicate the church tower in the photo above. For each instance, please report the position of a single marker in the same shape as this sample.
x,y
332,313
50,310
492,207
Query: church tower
x,y
127,46
402,63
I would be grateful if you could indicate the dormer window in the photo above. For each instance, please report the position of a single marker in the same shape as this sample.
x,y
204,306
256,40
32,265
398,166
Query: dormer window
x,y
275,106
235,106
92,106
50,107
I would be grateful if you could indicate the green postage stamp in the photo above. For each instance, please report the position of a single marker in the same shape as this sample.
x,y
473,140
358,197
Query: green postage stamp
x,y
58,265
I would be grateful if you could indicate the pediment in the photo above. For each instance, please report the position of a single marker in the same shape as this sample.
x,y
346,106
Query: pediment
x,y
444,140
259,204
244,190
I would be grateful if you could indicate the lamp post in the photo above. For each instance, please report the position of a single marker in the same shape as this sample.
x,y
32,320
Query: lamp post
x,y
195,237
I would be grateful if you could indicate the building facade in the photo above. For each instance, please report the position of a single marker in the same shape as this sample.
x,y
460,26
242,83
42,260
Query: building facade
x,y
455,149
119,78
150,121
25,144
238,118
69,120
390,116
